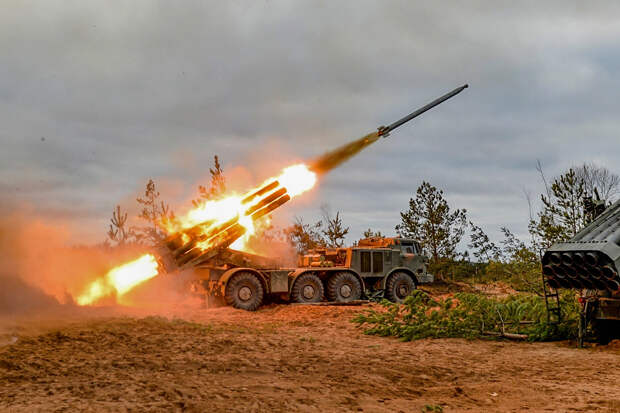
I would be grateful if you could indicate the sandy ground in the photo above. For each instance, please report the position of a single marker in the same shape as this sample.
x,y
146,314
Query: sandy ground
x,y
286,358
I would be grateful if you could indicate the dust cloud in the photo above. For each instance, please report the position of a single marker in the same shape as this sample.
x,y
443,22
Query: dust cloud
x,y
41,273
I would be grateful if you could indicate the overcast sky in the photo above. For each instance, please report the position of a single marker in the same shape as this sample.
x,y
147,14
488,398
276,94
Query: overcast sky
x,y
96,97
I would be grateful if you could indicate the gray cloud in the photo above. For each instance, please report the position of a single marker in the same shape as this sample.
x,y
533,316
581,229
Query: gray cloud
x,y
122,92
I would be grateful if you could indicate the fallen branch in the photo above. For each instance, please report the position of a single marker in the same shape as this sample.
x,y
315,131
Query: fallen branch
x,y
512,336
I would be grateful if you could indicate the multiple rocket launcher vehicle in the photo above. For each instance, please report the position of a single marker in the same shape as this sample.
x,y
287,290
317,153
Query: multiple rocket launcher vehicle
x,y
205,245
590,261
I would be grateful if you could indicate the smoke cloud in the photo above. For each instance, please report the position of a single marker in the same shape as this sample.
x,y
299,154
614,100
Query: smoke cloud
x,y
37,269
41,272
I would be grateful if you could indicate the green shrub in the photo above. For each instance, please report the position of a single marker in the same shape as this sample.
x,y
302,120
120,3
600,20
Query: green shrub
x,y
469,316
523,274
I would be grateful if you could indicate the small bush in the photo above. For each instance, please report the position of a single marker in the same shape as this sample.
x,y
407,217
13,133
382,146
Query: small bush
x,y
432,408
469,315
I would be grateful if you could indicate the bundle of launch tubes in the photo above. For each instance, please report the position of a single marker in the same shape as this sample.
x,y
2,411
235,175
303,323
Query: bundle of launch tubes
x,y
201,242
591,270
590,259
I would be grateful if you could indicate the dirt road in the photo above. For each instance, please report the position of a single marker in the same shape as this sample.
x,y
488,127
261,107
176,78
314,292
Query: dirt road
x,y
288,358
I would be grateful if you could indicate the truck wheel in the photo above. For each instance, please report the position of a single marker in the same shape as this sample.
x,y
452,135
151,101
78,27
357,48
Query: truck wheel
x,y
343,287
398,287
245,291
308,288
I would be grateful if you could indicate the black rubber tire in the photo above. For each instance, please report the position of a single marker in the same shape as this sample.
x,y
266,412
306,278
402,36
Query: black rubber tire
x,y
399,286
337,287
301,294
244,291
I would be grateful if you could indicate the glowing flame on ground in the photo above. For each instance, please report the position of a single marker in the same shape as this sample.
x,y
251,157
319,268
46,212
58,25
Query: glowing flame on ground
x,y
121,279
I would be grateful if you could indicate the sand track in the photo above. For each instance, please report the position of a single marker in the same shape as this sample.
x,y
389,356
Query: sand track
x,y
289,358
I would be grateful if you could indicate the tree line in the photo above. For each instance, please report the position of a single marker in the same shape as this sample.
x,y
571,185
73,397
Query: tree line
x,y
569,202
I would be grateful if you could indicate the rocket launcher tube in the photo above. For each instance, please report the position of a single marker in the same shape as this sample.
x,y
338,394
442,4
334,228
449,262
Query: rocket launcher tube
x,y
211,234
225,234
203,230
221,240
203,236
232,234
275,204
261,191
264,202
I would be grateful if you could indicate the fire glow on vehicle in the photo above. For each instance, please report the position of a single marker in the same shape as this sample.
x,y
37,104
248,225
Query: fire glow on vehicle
x,y
240,210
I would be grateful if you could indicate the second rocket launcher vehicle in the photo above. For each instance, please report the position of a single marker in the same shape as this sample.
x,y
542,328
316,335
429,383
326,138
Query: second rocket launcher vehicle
x,y
590,259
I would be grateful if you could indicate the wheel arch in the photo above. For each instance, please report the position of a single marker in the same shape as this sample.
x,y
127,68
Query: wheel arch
x,y
406,270
230,273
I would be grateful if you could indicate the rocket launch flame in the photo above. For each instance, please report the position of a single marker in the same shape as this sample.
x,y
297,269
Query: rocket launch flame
x,y
120,280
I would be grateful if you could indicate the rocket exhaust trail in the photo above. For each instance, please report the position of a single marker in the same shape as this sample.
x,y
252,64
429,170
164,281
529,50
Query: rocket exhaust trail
x,y
338,156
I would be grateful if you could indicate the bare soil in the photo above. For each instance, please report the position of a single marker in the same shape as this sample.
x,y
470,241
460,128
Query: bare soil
x,y
286,358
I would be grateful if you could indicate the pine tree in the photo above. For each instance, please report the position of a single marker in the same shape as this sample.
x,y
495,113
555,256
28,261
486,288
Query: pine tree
x,y
334,230
304,236
564,210
155,212
217,185
430,221
483,247
118,232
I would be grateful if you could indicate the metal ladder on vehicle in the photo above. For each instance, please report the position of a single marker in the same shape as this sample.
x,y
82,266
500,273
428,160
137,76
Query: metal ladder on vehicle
x,y
552,303
552,298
